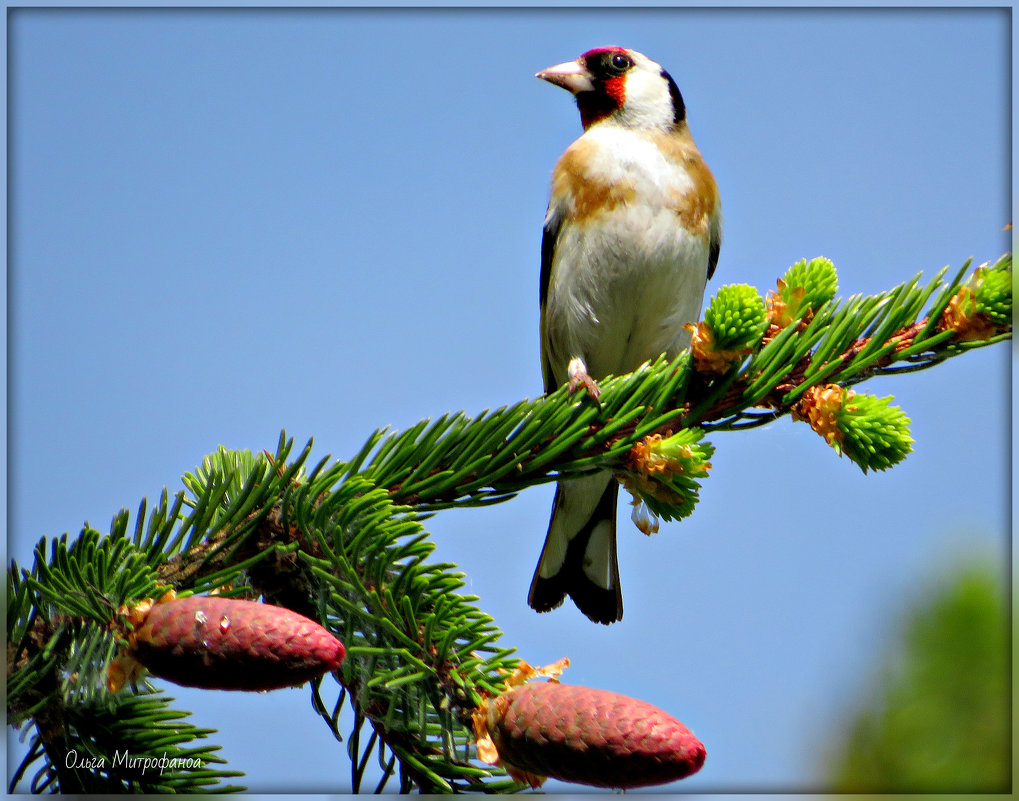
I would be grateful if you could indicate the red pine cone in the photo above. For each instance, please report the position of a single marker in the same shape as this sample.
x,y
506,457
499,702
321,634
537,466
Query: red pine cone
x,y
229,644
587,736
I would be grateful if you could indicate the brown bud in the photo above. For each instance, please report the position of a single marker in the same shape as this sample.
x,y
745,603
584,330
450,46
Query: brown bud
x,y
587,736
962,317
708,358
230,644
820,407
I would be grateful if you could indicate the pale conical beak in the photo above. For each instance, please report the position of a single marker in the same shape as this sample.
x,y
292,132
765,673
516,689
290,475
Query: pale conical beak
x,y
570,75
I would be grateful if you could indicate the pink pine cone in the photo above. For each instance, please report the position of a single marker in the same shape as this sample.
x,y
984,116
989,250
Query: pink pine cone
x,y
229,644
593,737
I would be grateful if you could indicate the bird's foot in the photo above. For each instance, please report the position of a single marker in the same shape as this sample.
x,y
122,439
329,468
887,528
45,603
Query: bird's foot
x,y
578,377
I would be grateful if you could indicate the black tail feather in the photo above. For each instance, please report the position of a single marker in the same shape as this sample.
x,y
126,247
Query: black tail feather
x,y
598,604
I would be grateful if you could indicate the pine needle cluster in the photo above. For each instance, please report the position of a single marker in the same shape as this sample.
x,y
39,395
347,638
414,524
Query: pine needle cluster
x,y
344,542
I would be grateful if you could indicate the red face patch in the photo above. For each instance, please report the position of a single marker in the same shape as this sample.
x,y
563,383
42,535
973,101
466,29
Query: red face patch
x,y
616,89
599,50
607,67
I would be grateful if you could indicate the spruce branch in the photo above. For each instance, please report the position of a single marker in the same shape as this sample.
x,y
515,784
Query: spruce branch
x,y
343,542
462,461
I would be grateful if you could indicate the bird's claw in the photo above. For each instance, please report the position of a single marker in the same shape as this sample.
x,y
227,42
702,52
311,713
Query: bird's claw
x,y
582,379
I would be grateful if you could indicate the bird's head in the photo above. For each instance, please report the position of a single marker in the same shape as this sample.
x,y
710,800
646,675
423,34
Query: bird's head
x,y
619,85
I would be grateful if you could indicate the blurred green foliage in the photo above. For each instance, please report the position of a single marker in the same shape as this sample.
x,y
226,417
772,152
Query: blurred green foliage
x,y
937,719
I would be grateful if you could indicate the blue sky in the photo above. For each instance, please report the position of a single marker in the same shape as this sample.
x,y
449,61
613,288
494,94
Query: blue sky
x,y
228,222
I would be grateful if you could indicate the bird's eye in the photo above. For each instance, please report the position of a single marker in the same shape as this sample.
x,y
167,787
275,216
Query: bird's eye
x,y
621,62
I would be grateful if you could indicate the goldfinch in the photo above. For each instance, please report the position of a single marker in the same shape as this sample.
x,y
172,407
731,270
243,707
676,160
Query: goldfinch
x,y
631,236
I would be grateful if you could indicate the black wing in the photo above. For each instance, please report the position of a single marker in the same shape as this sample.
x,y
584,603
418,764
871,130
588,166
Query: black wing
x,y
549,237
714,245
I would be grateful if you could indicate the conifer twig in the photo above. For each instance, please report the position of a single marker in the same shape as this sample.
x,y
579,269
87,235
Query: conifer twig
x,y
343,542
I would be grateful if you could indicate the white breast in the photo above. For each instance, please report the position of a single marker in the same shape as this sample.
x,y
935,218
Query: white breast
x,y
624,282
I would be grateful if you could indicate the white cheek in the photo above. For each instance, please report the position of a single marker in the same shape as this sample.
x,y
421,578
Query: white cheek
x,y
648,104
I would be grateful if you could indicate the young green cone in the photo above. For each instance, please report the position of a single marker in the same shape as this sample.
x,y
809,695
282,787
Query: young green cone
x,y
662,472
982,308
733,324
875,433
867,429
805,288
